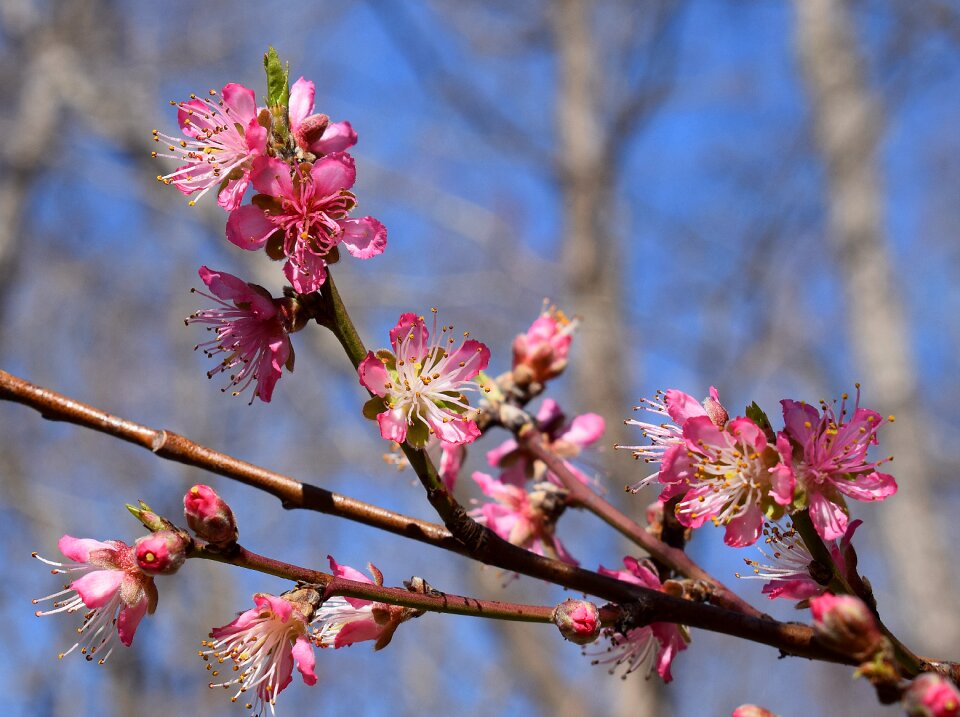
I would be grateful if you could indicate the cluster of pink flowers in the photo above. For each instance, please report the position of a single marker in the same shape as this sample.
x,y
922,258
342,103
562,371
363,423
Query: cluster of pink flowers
x,y
265,643
302,177
737,472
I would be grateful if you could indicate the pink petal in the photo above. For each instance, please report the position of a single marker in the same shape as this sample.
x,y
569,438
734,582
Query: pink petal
x,y
748,433
495,456
364,238
345,571
870,486
791,589
256,138
99,587
308,276
409,323
305,659
277,605
701,430
795,417
393,425
828,518
451,460
373,375
645,576
78,549
682,406
272,176
457,432
744,529
190,117
333,173
357,631
225,286
549,411
230,197
241,101
271,365
584,430
337,137
249,228
474,356
301,102
128,620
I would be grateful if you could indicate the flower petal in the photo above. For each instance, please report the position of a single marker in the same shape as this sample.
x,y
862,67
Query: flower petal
x,y
364,238
128,620
305,659
248,227
98,587
301,102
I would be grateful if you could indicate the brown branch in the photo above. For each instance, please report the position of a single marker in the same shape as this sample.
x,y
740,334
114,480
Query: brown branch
x,y
292,493
650,605
431,600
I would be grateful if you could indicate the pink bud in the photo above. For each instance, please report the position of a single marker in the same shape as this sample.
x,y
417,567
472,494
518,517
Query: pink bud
x,y
931,695
715,411
161,553
541,353
846,623
311,130
578,620
752,711
209,516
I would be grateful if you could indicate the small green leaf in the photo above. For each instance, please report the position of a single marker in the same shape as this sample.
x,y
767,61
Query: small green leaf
x,y
756,414
278,79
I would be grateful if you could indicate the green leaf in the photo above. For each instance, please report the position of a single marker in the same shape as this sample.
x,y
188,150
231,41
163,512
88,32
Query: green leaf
x,y
756,414
278,79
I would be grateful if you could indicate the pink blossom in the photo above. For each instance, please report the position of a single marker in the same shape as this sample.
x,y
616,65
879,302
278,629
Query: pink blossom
x,y
419,387
222,140
343,621
251,330
788,573
314,133
524,519
734,479
264,644
653,646
116,592
666,448
830,460
307,208
752,711
565,439
541,353
931,695
451,460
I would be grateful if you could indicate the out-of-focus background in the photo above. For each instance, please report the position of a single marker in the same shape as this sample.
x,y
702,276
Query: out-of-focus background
x,y
758,195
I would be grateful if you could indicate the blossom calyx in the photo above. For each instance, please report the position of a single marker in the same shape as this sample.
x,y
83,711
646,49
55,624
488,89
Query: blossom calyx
x,y
845,623
162,552
209,516
578,620
931,695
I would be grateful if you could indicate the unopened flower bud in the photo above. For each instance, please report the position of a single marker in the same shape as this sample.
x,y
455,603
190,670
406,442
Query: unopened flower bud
x,y
752,711
578,620
209,516
715,411
931,695
541,353
161,553
846,623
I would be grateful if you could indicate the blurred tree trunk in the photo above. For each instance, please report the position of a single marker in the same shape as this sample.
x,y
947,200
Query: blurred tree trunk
x,y
848,124
590,255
